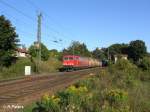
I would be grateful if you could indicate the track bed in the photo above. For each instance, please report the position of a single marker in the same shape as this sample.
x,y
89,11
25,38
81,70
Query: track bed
x,y
28,89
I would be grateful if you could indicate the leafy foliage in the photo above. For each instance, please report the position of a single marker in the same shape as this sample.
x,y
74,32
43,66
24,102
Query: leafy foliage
x,y
54,54
115,100
8,41
137,50
51,65
48,104
44,52
124,73
118,49
145,63
124,65
99,54
115,95
15,70
69,100
74,98
77,48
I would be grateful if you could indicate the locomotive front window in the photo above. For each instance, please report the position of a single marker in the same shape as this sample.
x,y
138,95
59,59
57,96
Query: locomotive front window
x,y
70,58
65,58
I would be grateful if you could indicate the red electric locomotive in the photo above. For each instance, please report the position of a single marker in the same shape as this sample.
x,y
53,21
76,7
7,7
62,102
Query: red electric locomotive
x,y
74,62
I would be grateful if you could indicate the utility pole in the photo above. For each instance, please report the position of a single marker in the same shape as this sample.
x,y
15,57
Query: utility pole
x,y
39,40
108,53
73,47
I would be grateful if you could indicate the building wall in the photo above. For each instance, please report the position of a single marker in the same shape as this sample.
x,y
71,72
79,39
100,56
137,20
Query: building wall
x,y
19,54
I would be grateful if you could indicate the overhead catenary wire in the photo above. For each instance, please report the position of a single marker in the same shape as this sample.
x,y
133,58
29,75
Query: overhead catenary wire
x,y
54,30
12,7
30,18
18,11
38,9
18,20
15,19
22,13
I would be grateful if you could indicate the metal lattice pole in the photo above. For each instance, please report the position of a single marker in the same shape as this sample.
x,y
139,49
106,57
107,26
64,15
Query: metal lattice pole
x,y
39,40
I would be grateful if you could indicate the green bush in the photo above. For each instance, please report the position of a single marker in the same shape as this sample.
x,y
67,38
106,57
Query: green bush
x,y
44,52
89,83
145,75
145,63
70,100
73,98
16,69
124,73
139,97
82,98
51,65
47,104
115,100
124,65
115,95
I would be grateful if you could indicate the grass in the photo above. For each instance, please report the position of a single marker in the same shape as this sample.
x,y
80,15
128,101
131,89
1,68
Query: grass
x,y
17,69
28,108
52,65
116,89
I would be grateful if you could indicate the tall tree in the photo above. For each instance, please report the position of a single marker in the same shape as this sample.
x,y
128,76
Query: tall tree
x,y
118,49
77,48
137,50
8,41
44,52
54,54
99,54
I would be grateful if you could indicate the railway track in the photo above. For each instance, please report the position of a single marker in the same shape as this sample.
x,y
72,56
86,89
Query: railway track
x,y
28,89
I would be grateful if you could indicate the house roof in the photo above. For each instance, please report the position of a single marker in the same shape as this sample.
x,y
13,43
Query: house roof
x,y
22,50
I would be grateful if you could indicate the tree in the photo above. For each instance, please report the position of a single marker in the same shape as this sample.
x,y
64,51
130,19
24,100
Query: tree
x,y
137,50
77,48
55,54
44,52
118,49
99,54
148,54
8,41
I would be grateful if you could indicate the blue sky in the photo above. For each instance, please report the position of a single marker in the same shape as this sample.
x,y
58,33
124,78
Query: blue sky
x,y
97,23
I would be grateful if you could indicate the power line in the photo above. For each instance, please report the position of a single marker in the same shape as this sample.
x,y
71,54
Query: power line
x,y
29,17
16,19
32,4
22,30
37,8
15,9
12,7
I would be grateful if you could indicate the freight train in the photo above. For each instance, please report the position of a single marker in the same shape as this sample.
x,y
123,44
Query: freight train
x,y
74,62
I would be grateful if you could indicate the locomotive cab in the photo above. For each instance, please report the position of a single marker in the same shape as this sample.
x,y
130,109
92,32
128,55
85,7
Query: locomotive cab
x,y
70,62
